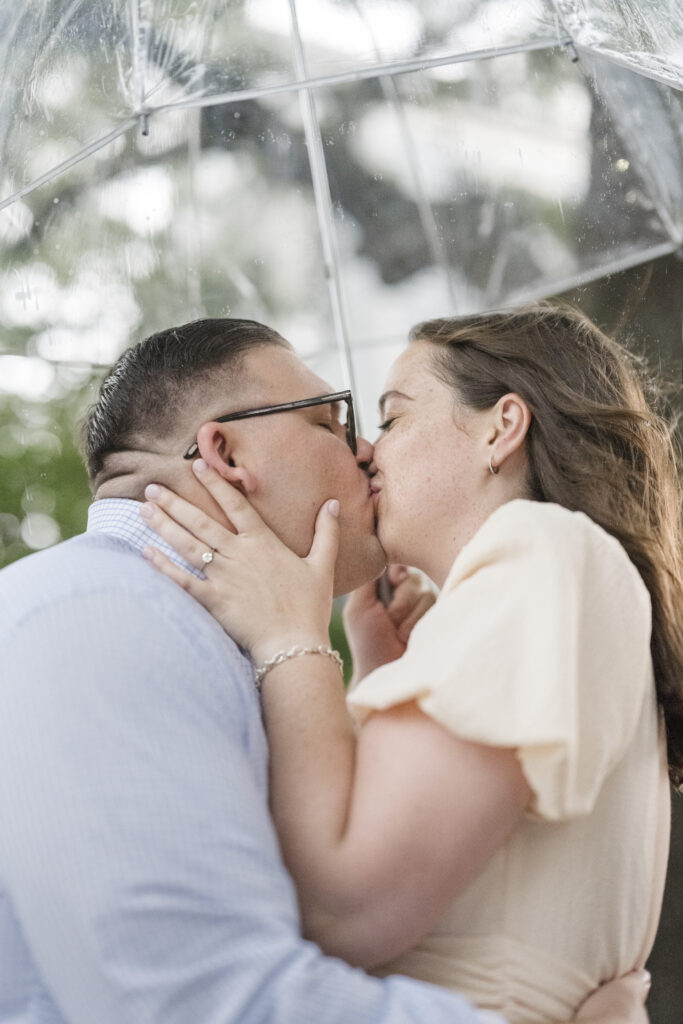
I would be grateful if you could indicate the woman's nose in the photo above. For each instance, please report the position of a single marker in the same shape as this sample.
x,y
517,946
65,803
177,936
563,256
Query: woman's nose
x,y
364,452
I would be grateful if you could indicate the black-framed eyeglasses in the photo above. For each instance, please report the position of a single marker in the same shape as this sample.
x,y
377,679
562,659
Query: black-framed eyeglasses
x,y
304,403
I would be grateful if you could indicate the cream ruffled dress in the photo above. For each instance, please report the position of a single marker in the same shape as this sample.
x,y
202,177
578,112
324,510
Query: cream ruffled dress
x,y
540,640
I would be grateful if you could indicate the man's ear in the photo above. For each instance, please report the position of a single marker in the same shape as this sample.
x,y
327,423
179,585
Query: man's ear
x,y
511,422
215,443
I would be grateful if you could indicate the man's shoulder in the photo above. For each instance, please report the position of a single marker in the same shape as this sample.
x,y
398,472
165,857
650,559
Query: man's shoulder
x,y
97,571
84,564
95,594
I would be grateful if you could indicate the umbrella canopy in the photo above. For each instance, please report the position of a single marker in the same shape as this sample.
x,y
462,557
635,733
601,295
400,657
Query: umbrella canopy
x,y
339,169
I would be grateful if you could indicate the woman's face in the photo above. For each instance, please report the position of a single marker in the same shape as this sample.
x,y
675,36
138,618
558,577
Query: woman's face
x,y
432,483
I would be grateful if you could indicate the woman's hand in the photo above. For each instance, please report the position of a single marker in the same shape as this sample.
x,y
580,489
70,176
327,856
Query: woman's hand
x,y
378,634
618,1002
264,595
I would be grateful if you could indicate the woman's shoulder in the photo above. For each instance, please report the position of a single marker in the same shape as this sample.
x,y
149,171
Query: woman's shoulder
x,y
551,538
540,636
547,520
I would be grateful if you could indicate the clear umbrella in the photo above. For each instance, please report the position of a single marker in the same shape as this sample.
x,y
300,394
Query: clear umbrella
x,y
340,168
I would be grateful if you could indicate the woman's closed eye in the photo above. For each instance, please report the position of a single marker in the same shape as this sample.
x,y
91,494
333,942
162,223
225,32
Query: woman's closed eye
x,y
386,424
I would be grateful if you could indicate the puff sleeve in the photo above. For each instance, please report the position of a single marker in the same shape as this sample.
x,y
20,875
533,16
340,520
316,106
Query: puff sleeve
x,y
540,641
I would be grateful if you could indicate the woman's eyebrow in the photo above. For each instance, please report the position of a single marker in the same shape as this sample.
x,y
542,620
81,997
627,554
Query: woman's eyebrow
x,y
391,394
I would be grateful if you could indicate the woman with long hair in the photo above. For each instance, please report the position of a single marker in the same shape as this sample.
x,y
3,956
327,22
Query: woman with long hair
x,y
492,812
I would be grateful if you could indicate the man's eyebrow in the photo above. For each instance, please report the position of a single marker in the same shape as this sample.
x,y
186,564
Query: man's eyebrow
x,y
391,394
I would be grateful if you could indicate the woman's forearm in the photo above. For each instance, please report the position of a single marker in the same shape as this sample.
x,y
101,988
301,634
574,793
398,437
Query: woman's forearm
x,y
380,833
312,742
313,749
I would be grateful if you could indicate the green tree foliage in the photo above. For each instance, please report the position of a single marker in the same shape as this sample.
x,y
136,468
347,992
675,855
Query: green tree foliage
x,y
44,492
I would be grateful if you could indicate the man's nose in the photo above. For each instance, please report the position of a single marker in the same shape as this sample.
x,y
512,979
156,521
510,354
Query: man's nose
x,y
364,453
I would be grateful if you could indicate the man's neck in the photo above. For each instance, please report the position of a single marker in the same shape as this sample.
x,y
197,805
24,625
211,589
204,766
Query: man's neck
x,y
126,474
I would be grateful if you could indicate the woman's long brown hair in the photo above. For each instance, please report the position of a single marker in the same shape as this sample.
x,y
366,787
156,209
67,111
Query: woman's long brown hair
x,y
600,442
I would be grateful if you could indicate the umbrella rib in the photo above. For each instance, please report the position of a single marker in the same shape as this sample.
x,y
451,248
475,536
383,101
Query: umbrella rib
x,y
70,162
401,67
323,203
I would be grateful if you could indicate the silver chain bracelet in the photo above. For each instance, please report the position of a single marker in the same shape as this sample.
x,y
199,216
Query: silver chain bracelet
x,y
295,652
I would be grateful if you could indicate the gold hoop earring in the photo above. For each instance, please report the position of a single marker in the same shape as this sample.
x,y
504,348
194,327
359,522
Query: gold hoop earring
x,y
494,469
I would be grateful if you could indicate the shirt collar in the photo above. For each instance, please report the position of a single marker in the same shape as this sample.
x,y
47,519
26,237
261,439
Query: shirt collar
x,y
120,518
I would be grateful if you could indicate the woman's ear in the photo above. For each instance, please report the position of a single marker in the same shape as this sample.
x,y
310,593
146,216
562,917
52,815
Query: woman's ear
x,y
511,422
215,443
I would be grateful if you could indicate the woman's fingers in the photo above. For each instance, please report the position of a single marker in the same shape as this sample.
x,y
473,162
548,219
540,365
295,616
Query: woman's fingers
x,y
411,598
619,1000
256,587
192,584
423,605
188,515
359,602
397,573
205,535
229,498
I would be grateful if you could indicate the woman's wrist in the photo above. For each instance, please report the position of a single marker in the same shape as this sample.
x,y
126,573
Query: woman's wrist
x,y
269,648
297,651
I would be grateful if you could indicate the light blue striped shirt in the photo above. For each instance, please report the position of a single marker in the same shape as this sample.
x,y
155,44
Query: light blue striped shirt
x,y
140,876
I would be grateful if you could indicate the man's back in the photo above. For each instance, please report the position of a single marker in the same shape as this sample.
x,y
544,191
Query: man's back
x,y
105,666
140,877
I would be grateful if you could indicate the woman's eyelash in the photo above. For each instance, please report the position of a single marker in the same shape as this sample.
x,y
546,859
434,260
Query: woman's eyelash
x,y
387,423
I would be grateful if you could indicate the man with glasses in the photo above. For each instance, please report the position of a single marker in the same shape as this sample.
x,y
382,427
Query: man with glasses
x,y
140,876
334,400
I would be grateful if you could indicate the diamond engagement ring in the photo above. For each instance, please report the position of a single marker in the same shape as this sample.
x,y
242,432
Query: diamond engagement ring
x,y
207,557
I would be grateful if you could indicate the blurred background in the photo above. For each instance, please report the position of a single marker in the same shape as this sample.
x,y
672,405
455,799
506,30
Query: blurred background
x,y
339,169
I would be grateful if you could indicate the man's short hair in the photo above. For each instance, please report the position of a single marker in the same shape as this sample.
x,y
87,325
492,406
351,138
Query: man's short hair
x,y
150,384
